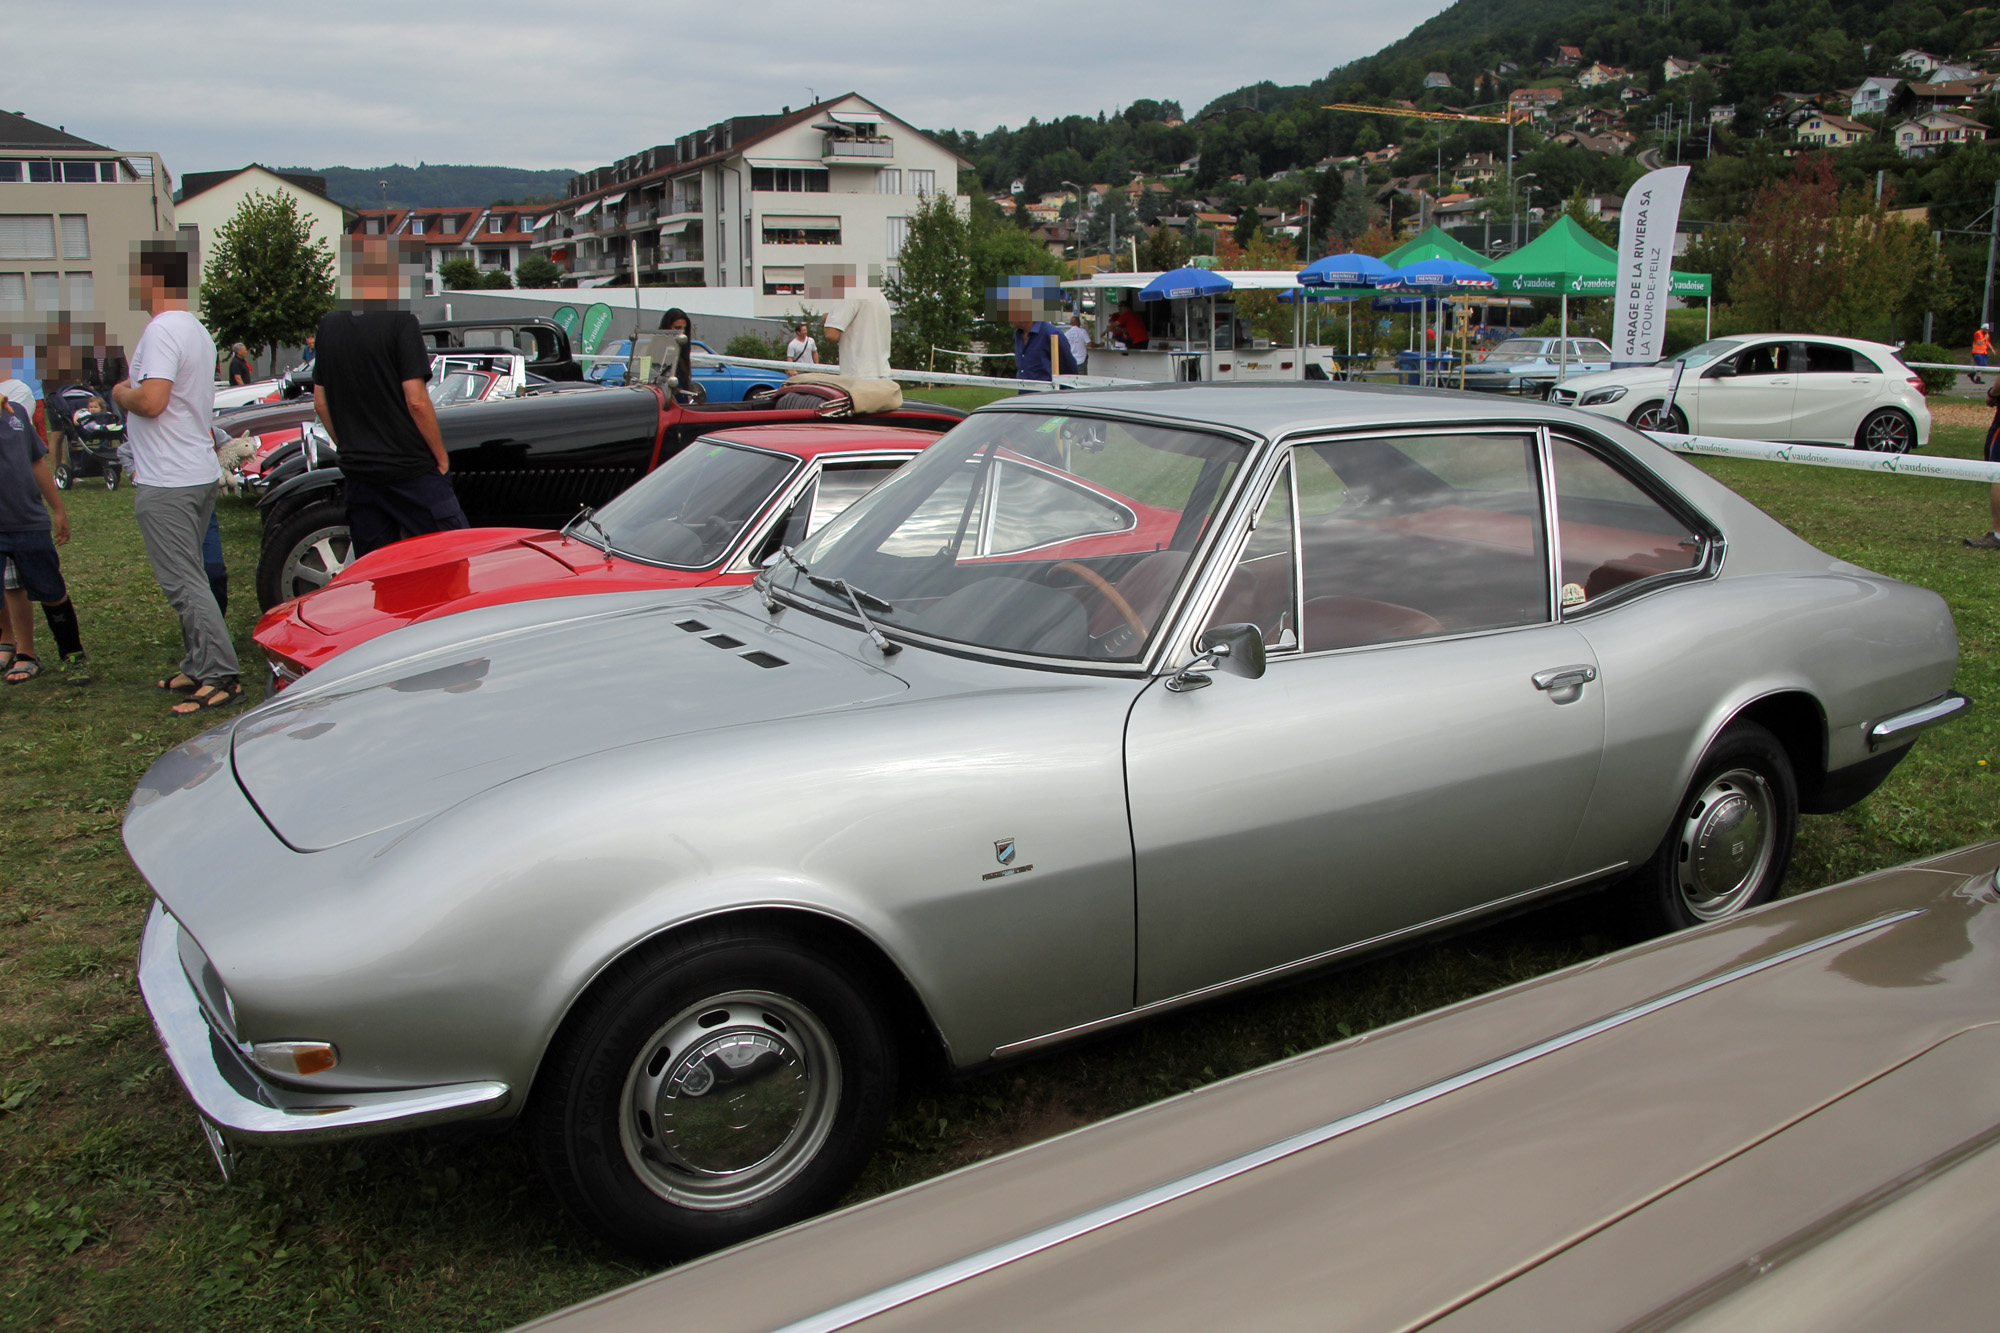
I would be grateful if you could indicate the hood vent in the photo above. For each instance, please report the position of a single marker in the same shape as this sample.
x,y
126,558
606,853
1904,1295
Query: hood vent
x,y
755,657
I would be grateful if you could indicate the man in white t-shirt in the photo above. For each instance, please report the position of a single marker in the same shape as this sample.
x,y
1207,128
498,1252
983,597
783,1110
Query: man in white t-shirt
x,y
800,350
169,400
858,323
1078,339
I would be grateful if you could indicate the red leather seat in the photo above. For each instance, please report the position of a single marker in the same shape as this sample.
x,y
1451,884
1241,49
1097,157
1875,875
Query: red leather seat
x,y
1350,622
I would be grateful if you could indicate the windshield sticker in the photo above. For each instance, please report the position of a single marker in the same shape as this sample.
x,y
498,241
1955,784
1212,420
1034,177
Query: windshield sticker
x,y
1573,594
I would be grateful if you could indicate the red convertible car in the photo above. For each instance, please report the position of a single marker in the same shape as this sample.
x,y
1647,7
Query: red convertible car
x,y
711,514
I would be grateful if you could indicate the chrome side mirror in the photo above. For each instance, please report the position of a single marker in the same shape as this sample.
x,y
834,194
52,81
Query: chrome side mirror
x,y
1237,649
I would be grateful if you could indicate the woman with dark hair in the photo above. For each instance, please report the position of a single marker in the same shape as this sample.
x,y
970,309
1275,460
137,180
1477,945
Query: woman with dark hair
x,y
676,321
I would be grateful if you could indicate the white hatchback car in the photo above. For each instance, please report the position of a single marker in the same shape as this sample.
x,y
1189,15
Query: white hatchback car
x,y
1769,386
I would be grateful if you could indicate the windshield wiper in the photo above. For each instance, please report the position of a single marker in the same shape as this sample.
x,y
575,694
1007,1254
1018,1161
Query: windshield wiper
x,y
588,515
856,598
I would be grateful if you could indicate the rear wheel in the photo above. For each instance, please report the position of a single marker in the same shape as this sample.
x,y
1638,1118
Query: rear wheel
x,y
65,477
1731,838
1656,415
303,552
111,477
1886,431
713,1088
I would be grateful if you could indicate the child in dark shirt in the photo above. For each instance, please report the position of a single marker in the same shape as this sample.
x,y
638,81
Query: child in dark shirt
x,y
32,524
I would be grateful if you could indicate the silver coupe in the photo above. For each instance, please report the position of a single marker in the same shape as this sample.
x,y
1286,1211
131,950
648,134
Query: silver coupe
x,y
1107,704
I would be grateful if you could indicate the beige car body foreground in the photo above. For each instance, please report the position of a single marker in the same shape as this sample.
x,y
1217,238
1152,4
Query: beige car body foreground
x,y
1787,1121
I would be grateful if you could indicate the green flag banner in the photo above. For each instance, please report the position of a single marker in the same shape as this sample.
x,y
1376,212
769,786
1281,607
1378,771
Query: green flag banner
x,y
596,321
568,319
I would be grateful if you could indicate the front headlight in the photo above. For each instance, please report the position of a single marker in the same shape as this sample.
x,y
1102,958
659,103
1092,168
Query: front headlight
x,y
1599,397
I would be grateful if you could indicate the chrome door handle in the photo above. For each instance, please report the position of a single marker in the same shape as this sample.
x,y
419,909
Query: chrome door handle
x,y
1565,677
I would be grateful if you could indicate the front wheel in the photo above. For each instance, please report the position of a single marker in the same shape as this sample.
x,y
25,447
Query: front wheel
x,y
1658,416
1886,431
711,1089
303,552
112,476
1731,838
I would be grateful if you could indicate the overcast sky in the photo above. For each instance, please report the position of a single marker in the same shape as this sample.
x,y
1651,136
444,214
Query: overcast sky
x,y
504,82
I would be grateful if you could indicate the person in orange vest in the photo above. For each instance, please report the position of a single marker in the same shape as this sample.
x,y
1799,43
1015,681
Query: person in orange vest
x,y
1982,346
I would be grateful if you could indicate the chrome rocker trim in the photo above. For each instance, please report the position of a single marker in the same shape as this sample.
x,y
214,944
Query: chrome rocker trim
x,y
1901,728
239,1102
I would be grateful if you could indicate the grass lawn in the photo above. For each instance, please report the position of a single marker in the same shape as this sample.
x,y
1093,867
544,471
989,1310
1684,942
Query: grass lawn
x,y
112,1214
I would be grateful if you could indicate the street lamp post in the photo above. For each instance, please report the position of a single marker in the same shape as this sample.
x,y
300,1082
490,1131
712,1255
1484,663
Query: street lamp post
x,y
1514,203
1076,223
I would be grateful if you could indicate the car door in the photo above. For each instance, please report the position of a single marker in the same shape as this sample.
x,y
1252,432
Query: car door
x,y
1836,389
1749,395
1423,743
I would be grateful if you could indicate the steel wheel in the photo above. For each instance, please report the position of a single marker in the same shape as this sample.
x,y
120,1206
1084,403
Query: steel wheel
x,y
315,560
1886,431
1657,416
729,1100
1725,844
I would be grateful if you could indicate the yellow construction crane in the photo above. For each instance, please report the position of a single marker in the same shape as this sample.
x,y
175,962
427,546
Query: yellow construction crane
x,y
1424,115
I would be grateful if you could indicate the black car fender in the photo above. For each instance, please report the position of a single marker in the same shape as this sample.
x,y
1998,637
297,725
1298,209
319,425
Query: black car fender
x,y
288,497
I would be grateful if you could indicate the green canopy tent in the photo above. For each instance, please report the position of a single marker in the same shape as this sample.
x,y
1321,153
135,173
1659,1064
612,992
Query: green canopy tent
x,y
1564,261
1433,243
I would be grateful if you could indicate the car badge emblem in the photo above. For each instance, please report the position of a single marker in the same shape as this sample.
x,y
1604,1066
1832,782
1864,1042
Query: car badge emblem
x,y
1004,852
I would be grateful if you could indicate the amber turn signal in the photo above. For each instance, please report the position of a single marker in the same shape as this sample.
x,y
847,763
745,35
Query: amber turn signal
x,y
293,1059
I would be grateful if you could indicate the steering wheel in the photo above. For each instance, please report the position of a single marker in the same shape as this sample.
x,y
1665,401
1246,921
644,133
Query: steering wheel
x,y
1111,594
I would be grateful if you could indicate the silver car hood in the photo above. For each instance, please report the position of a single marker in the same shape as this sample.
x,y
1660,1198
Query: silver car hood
x,y
414,735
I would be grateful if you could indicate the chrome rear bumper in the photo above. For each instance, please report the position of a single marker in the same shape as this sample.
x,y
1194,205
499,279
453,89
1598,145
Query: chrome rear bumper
x,y
1902,728
234,1098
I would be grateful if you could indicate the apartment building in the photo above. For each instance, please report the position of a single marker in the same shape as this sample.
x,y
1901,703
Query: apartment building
x,y
750,201
209,199
496,238
71,214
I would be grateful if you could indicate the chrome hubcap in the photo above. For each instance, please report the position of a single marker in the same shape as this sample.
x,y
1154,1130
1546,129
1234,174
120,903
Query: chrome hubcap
x,y
316,560
1726,844
729,1100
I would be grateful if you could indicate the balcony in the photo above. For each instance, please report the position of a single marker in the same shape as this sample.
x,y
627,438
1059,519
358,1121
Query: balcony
x,y
844,149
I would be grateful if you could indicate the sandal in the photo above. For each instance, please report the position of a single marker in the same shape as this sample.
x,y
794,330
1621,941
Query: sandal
x,y
206,697
7,649
188,684
25,667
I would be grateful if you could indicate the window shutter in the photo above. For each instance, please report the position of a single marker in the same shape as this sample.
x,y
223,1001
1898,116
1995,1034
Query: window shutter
x,y
13,291
27,236
82,292
899,232
76,236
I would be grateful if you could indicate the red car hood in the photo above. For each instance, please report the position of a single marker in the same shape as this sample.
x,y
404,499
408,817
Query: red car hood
x,y
399,597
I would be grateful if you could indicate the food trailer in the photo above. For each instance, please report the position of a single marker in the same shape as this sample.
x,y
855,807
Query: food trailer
x,y
1199,338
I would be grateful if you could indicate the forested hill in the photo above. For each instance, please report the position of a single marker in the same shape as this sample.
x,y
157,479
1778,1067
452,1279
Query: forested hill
x,y
430,185
1756,48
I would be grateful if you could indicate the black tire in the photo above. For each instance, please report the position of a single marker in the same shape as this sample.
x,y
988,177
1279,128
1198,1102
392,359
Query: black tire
x,y
1886,431
1649,416
654,1037
302,552
111,477
64,475
1702,871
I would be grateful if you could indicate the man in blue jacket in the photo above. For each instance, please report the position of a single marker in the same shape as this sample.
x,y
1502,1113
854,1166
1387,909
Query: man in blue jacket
x,y
1038,344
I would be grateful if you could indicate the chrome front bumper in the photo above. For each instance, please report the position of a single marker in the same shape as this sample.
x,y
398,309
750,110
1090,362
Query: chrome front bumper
x,y
1902,728
237,1100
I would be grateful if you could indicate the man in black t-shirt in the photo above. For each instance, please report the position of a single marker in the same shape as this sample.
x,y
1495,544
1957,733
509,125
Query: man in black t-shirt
x,y
369,387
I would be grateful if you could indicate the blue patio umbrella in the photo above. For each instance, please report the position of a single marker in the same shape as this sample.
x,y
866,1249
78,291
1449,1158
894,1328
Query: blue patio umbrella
x,y
1349,270
1436,275
1183,283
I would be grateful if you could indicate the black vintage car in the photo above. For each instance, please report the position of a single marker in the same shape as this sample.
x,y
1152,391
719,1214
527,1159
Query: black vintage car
x,y
532,461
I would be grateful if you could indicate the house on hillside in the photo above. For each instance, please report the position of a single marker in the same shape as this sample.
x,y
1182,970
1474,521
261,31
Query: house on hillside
x,y
1952,70
1676,68
1536,102
1612,143
1874,95
1567,57
209,199
1597,74
1476,167
1919,62
1610,207
1437,78
1722,114
1920,136
1830,131
1944,96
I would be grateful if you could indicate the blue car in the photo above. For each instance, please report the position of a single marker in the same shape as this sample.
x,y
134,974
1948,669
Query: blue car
x,y
723,384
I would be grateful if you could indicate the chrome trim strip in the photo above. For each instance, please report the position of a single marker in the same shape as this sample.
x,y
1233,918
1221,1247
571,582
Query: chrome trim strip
x,y
985,1261
1906,724
1157,1007
190,1045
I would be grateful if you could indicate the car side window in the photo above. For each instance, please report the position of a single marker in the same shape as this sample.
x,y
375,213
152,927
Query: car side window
x,y
1263,589
1763,359
840,485
1610,533
1410,537
1826,359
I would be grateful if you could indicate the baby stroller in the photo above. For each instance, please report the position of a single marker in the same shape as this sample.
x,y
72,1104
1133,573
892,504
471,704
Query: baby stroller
x,y
91,431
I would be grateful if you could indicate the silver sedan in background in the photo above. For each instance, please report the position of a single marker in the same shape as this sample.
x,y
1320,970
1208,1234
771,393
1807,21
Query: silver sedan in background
x,y
1105,705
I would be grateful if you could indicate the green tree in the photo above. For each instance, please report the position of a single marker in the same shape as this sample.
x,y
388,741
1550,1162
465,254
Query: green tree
x,y
1326,207
497,280
1163,251
997,254
1577,208
269,280
932,289
537,271
461,274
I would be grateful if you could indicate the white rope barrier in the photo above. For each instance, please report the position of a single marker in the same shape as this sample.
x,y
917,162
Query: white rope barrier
x,y
931,376
1815,455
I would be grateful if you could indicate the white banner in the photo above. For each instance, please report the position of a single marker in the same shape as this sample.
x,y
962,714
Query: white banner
x,y
1827,455
1645,266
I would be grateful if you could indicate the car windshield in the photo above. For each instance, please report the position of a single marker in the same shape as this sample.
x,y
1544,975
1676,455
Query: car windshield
x,y
1518,349
460,386
690,510
1704,353
1030,532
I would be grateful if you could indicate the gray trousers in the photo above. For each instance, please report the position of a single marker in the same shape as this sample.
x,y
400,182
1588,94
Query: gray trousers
x,y
173,520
